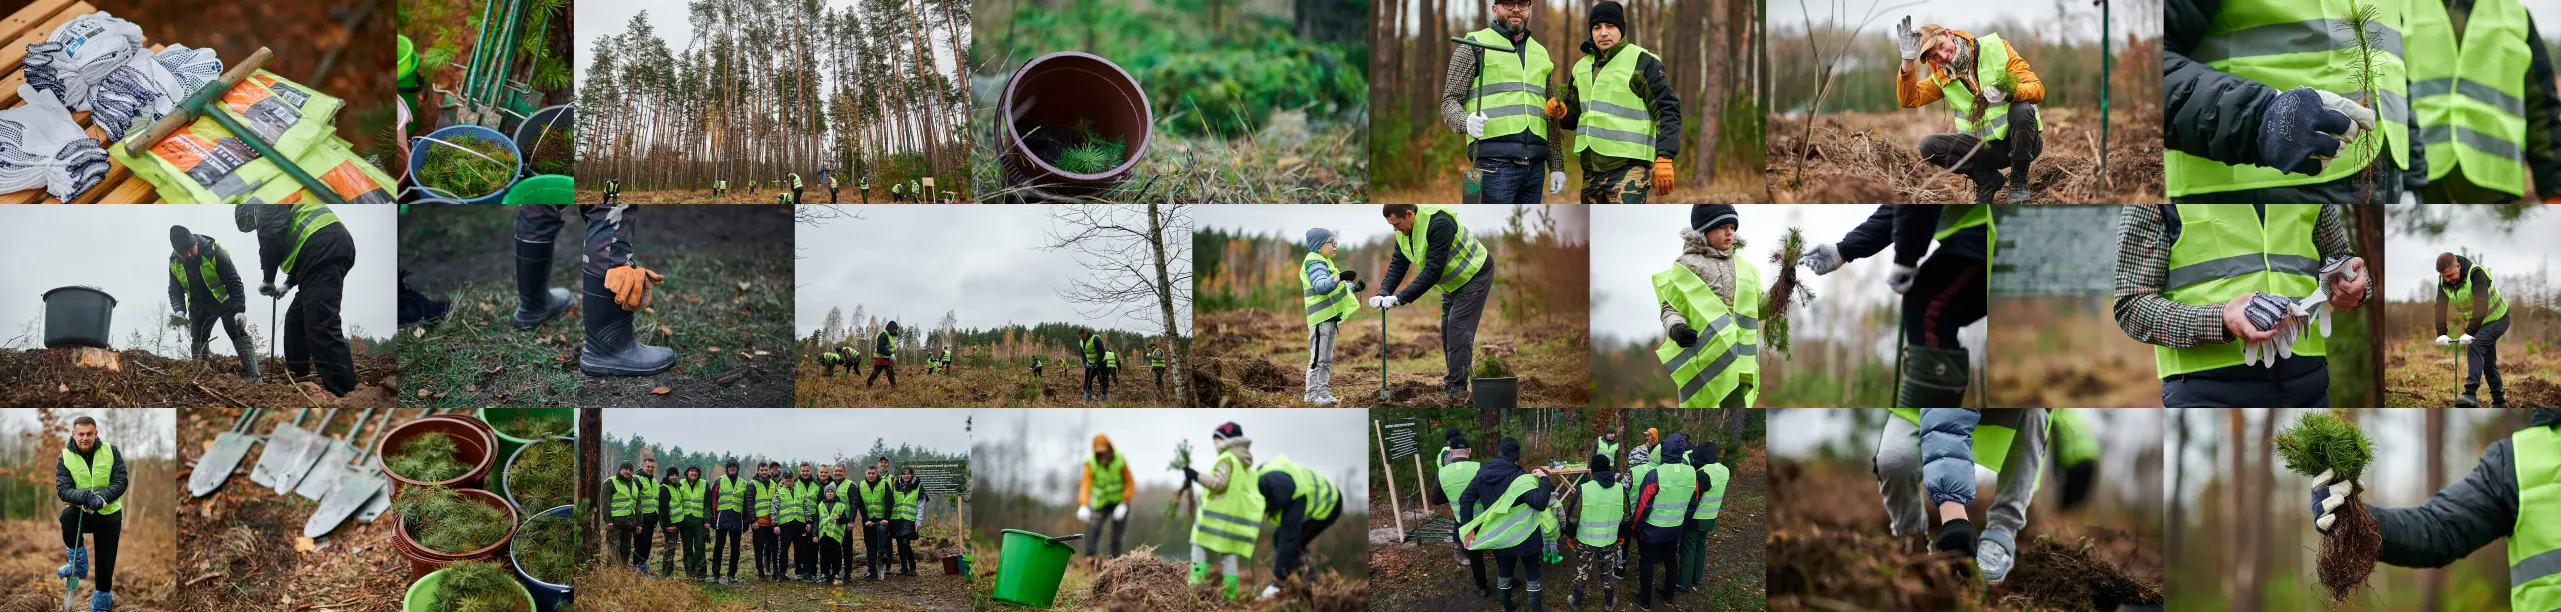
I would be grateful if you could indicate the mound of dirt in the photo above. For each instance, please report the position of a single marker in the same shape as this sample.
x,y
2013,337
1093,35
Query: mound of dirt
x,y
48,378
1263,375
1874,157
1329,592
1140,582
2049,573
1208,381
2532,392
1828,548
1844,566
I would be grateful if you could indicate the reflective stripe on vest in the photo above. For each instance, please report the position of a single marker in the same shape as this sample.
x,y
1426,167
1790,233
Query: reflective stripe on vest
x,y
2469,98
99,475
1511,88
2223,252
732,493
1714,500
689,502
1454,477
1604,448
649,495
794,507
828,512
1507,522
206,273
2286,44
1673,487
1602,513
1108,487
1321,305
1228,522
902,504
1319,494
2534,546
626,498
1614,121
2461,296
307,220
875,496
1991,66
1703,383
1465,258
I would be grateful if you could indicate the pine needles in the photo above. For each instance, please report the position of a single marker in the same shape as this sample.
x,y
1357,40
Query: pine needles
x,y
544,475
478,586
1096,156
2324,442
546,548
430,457
2327,442
441,519
2364,25
1182,461
1784,293
455,172
529,425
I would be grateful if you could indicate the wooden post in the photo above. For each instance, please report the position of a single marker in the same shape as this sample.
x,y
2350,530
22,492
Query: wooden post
x,y
1392,505
1423,484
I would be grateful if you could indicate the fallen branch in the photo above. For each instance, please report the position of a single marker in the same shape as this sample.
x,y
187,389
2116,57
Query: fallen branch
x,y
218,394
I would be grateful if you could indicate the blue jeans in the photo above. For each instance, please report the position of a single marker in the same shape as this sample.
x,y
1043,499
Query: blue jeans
x,y
1511,183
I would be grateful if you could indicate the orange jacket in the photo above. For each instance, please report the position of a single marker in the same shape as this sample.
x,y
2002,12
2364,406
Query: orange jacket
x,y
1085,490
1914,92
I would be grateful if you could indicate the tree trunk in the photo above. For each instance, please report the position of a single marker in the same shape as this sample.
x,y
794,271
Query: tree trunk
x,y
2432,581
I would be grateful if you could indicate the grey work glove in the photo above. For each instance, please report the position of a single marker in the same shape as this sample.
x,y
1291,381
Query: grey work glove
x,y
1908,39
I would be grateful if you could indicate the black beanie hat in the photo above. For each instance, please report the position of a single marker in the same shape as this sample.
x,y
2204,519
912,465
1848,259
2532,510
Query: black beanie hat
x,y
1509,449
1705,217
1704,453
1609,12
180,238
1227,431
1600,463
1454,438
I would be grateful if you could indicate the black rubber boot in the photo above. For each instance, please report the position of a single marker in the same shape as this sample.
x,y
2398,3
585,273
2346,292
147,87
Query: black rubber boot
x,y
1609,601
612,349
1933,378
1574,600
248,355
2466,400
1537,602
535,303
1504,585
1987,187
1956,536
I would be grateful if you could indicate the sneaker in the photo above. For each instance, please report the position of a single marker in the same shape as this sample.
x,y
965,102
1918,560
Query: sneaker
x,y
1993,557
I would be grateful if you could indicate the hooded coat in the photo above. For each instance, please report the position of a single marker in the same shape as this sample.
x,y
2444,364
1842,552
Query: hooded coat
x,y
1494,477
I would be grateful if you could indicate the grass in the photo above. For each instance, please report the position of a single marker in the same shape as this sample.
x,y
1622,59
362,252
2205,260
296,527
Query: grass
x,y
478,586
544,475
430,457
442,519
546,547
461,173
552,155
476,358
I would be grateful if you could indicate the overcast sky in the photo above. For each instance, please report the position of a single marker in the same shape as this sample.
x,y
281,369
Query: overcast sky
x,y
1332,441
1630,243
1356,223
916,262
124,250
162,421
804,433
2521,248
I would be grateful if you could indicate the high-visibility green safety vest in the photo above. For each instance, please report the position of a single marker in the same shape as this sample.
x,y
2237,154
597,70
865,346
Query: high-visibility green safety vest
x,y
86,474
1614,122
828,527
649,495
1728,348
2074,443
1955,218
795,180
830,358
207,273
2470,97
1454,476
1307,487
1991,442
1228,522
1093,348
1991,66
1636,479
626,498
890,339
691,504
875,497
1326,305
1108,486
1156,359
307,220
1604,447
733,493
1465,258
721,185
2534,547
1602,514
1111,359
793,506
1673,486
2461,296
1716,475
902,504
2224,252
1511,88
2294,43
1506,522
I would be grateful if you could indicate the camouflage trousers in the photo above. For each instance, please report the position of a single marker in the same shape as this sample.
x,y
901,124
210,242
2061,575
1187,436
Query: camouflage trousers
x,y
1626,185
1590,561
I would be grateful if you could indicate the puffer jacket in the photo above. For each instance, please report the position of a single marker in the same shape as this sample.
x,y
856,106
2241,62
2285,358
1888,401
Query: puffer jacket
x,y
1910,91
2465,515
1711,265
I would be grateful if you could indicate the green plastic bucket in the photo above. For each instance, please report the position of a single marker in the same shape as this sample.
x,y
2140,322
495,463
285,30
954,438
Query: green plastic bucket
x,y
421,596
408,65
542,189
507,445
1028,568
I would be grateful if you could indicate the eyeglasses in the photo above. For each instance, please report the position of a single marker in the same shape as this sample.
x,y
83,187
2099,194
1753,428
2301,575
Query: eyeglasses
x,y
1512,4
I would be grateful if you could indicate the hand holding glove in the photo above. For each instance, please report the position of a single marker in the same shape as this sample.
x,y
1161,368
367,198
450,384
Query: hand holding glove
x,y
1907,39
1190,476
2301,129
1555,108
1084,514
1476,125
1901,279
1993,94
1120,512
1662,176
1684,336
95,501
1555,183
2328,493
1822,259
630,285
2347,282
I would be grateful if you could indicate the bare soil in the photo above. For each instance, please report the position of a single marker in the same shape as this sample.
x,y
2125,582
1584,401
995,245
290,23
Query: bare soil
x,y
1830,549
1255,357
1874,157
49,378
240,548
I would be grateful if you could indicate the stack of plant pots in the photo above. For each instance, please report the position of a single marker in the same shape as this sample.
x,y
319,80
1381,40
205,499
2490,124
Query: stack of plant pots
x,y
487,456
508,424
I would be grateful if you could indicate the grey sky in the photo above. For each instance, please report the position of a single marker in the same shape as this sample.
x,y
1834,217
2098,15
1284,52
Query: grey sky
x,y
916,262
2547,17
2523,248
124,250
1631,242
162,422
1333,441
2399,473
1355,223
805,433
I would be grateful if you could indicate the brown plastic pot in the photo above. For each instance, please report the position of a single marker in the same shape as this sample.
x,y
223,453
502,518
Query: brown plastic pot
x,y
423,560
473,445
1066,89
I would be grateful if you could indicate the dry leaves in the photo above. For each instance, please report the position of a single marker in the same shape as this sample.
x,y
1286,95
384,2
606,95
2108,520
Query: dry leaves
x,y
424,394
659,391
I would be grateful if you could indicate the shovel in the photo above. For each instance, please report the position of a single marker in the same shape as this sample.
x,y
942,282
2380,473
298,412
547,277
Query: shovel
x,y
284,445
354,489
1382,355
71,586
326,454
215,466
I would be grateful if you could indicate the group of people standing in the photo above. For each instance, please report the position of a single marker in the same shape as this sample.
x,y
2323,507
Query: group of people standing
x,y
802,522
1663,507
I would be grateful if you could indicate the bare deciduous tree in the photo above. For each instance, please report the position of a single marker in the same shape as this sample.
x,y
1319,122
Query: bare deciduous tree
x,y
1140,258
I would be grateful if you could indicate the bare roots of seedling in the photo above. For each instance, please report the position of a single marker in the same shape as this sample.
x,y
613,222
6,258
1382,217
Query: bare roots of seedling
x,y
2348,553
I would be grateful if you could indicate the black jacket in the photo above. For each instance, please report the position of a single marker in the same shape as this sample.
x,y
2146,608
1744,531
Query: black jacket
x,y
1652,83
1492,479
1439,236
71,493
276,238
2465,515
2215,115
1908,228
195,298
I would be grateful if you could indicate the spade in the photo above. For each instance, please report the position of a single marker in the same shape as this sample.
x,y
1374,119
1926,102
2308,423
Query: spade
x,y
320,474
358,485
284,445
215,466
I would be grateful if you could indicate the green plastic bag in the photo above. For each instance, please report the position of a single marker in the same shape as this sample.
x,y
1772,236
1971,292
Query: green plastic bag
x,y
205,163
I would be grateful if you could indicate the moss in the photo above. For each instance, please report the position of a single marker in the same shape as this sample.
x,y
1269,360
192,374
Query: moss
x,y
544,475
443,520
430,457
546,548
2324,442
478,586
528,425
461,174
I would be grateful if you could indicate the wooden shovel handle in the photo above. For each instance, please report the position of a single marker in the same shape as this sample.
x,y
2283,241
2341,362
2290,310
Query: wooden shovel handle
x,y
186,109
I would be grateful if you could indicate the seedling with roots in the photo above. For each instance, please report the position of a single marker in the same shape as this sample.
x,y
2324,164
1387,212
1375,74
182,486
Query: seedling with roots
x,y
1785,292
2326,443
2364,24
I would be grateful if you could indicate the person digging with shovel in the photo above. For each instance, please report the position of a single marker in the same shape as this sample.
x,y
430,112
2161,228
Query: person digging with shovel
x,y
1992,95
2484,318
1451,260
203,285
2230,297
1497,100
314,250
2507,495
91,478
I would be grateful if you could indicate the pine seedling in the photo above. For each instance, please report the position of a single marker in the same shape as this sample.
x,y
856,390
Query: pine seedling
x,y
478,586
544,475
545,547
1096,156
2326,442
430,457
2364,24
441,519
1784,293
1182,461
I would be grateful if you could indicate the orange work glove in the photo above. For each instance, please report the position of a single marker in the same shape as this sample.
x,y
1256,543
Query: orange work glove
x,y
1555,109
1662,176
630,285
2552,199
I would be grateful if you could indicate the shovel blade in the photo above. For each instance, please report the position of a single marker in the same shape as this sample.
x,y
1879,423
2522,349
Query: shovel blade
x,y
71,595
215,467
350,496
326,472
374,507
283,446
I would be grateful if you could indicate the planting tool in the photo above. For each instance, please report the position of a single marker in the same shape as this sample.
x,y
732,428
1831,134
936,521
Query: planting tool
x,y
71,585
322,472
215,466
284,445
1382,354
1473,190
356,487
207,102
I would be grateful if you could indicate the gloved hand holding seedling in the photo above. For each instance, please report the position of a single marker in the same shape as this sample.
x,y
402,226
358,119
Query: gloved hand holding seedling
x,y
2325,446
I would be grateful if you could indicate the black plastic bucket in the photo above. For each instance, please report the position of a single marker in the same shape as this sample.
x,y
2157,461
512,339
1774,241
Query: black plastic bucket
x,y
550,123
1502,392
78,316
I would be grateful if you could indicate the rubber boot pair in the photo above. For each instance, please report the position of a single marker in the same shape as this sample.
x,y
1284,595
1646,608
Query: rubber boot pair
x,y
78,567
1933,377
536,301
613,349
